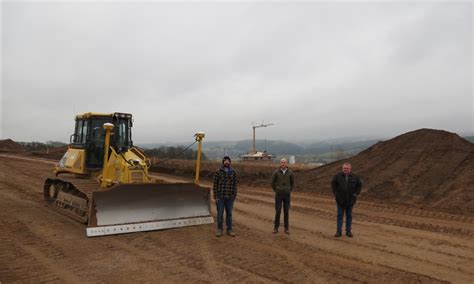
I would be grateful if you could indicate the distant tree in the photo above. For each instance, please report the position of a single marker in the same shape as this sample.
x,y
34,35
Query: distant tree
x,y
55,144
178,152
469,138
41,147
34,146
339,153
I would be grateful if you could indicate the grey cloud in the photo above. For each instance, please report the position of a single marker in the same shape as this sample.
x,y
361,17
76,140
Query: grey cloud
x,y
315,69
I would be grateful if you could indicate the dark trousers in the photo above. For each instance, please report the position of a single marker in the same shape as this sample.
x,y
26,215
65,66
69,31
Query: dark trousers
x,y
226,204
279,200
340,214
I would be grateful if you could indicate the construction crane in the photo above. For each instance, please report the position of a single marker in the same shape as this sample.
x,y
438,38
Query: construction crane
x,y
254,149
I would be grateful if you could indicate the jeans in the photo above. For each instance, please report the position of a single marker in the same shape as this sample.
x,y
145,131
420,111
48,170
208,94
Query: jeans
x,y
279,199
228,205
340,214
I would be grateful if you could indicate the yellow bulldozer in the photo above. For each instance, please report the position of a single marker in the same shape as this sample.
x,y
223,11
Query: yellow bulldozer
x,y
102,180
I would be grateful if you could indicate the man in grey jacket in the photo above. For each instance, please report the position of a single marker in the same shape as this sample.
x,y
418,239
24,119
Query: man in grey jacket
x,y
282,184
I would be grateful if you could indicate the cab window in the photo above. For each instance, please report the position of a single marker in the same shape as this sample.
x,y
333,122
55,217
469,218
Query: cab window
x,y
80,133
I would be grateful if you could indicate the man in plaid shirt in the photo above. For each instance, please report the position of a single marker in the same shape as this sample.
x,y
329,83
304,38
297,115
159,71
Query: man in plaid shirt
x,y
225,191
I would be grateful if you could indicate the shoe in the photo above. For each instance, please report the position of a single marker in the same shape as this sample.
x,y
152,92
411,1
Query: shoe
x,y
230,233
287,231
349,234
219,233
338,234
275,230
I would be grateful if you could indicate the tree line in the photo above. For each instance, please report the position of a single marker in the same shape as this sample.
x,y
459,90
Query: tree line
x,y
41,147
163,152
178,152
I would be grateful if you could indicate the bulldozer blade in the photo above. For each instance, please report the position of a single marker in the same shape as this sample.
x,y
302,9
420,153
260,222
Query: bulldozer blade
x,y
128,208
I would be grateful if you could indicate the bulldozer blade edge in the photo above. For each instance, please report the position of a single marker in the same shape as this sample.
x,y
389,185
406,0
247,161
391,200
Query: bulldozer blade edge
x,y
129,208
149,226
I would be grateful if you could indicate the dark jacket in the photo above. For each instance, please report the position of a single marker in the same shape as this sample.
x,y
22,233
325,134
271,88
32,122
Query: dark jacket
x,y
346,195
283,183
225,183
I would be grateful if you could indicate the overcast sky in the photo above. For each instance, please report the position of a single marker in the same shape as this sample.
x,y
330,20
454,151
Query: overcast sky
x,y
316,69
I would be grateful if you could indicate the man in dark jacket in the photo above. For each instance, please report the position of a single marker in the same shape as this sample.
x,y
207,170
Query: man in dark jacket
x,y
225,191
282,184
345,186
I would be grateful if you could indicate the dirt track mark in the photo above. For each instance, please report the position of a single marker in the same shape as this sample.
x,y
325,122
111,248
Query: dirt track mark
x,y
378,253
409,210
401,259
47,260
327,261
330,216
36,160
388,218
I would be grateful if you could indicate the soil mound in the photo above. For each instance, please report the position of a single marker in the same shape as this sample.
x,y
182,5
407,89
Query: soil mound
x,y
9,145
425,167
55,153
61,150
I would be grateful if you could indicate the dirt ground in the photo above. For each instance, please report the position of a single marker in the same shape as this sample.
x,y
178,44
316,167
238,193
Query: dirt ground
x,y
399,243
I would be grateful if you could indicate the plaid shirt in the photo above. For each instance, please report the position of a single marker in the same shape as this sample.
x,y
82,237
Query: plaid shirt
x,y
225,183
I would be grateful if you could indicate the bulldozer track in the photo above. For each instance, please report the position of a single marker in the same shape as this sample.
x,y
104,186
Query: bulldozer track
x,y
401,244
67,189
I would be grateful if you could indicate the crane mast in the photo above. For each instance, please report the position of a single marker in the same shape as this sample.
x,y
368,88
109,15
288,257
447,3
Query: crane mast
x,y
254,148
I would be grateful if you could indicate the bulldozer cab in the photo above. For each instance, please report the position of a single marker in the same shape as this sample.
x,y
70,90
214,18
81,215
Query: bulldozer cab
x,y
89,135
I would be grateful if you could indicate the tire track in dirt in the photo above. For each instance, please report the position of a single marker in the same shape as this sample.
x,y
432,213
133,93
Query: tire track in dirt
x,y
390,219
299,270
48,262
117,245
28,199
202,239
326,258
336,266
381,253
157,254
30,159
325,200
35,243
331,217
41,249
334,246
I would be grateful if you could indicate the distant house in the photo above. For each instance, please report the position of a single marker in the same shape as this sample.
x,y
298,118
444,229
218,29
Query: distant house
x,y
257,157
254,155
